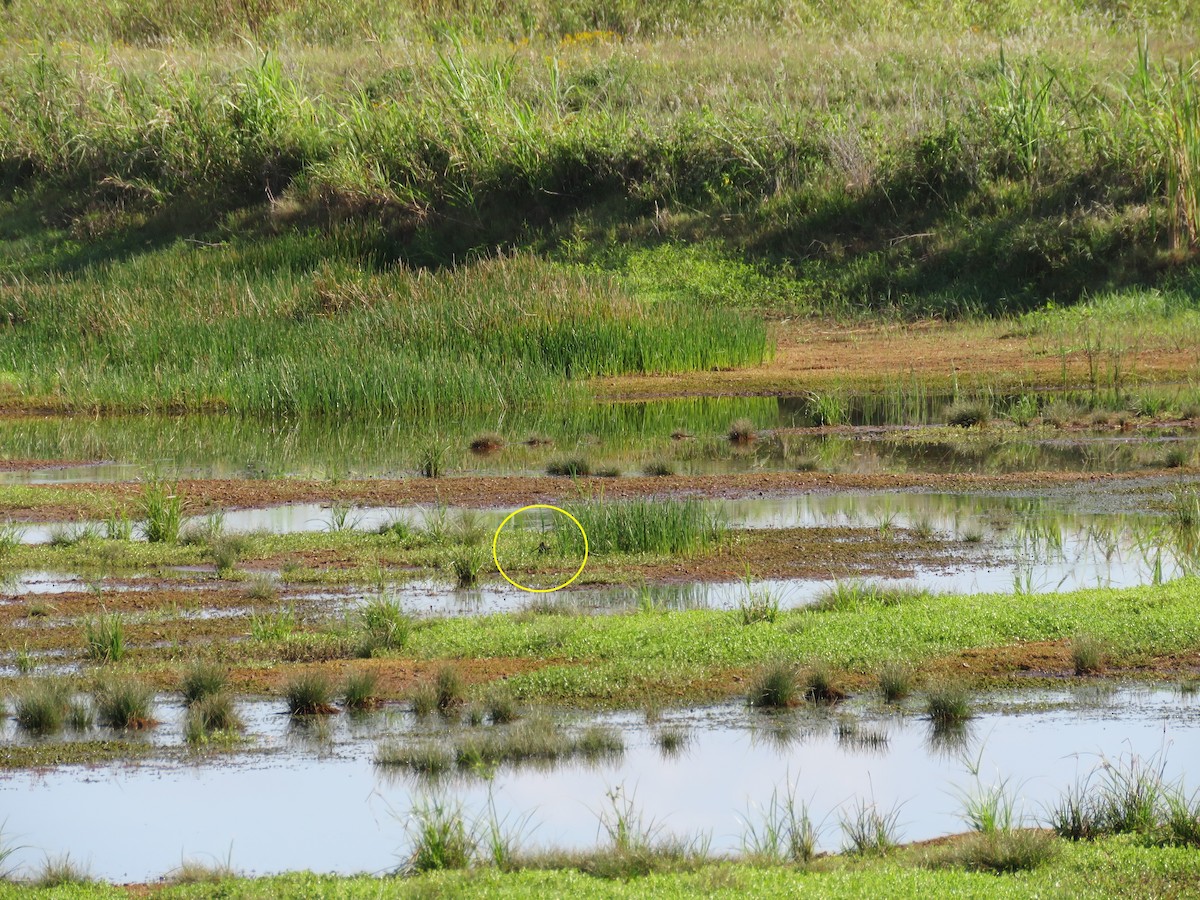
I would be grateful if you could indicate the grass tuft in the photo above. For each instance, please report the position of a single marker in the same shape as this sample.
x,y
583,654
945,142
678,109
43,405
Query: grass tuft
x,y
309,694
124,703
774,687
202,679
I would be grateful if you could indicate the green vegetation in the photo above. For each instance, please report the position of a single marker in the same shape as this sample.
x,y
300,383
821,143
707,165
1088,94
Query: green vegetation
x,y
309,694
202,679
124,702
42,705
212,715
104,637
681,527
162,512
360,690
948,704
774,687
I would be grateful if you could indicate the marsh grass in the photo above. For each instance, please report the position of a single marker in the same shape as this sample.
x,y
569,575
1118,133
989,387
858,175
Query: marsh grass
x,y
742,431
858,595
467,564
968,414
449,690
996,852
424,757
384,624
124,703
104,638
948,704
774,686
658,469
202,679
212,715
818,684
570,467
757,603
271,627
681,527
895,681
536,740
262,587
61,871
162,513
226,551
500,707
1089,654
118,527
441,837
360,690
868,830
41,706
785,832
196,871
309,694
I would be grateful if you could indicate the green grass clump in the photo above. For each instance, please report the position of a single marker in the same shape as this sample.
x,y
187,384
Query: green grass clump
x,y
680,527
104,637
423,757
61,871
500,707
742,431
818,684
467,564
41,706
570,467
774,687
658,469
360,690
384,623
948,704
440,836
449,690
895,681
210,715
968,413
997,852
853,595
309,694
202,679
1089,654
868,830
162,513
538,739
125,703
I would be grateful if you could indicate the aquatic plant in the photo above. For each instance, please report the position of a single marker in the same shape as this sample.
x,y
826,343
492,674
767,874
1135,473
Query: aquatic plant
x,y
440,836
784,834
360,690
41,705
640,526
202,679
569,467
308,694
818,684
162,512
895,681
774,686
212,714
124,702
104,637
1088,654
61,871
948,704
968,413
742,431
868,830
384,623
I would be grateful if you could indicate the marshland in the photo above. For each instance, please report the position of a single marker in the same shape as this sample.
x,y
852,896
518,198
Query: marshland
x,y
861,340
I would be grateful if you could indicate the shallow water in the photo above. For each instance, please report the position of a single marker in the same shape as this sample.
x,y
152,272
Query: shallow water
x,y
274,809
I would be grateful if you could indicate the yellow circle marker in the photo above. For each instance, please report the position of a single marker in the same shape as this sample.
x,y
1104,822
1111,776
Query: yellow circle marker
x,y
515,584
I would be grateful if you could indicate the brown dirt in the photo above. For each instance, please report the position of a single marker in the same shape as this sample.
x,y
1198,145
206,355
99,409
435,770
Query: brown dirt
x,y
25,465
817,355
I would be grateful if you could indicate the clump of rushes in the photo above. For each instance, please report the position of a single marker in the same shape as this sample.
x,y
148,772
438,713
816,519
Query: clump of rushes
x,y
1088,654
659,469
309,694
968,413
895,681
213,714
570,467
488,442
819,686
672,739
440,837
449,689
424,699
384,623
125,703
774,687
360,690
262,587
61,871
202,679
104,637
1176,458
948,704
500,707
467,564
742,431
41,706
424,757
162,513
432,459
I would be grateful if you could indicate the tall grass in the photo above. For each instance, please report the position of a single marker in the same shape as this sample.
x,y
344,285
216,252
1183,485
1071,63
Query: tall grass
x,y
162,512
104,637
640,526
